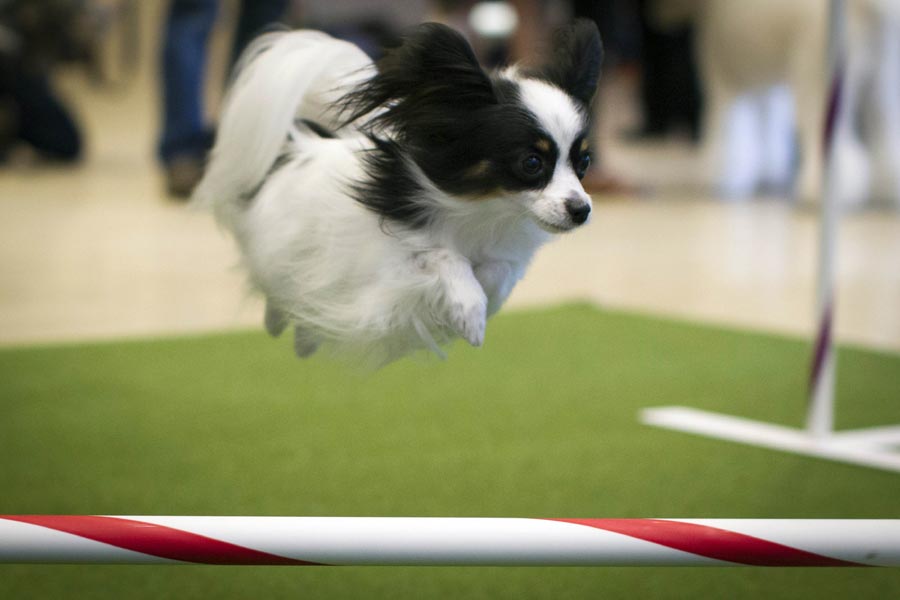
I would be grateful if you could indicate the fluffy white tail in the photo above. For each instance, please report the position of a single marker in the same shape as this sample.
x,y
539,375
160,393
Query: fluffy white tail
x,y
281,77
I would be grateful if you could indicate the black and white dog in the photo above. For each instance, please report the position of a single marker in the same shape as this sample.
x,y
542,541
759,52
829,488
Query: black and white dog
x,y
383,208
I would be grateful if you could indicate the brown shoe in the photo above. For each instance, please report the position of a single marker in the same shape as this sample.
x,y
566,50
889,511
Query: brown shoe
x,y
183,173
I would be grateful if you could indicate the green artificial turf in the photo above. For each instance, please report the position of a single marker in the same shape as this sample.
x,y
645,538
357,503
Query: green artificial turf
x,y
540,422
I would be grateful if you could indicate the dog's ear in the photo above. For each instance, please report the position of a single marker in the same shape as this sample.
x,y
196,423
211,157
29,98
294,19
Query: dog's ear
x,y
575,64
431,66
438,63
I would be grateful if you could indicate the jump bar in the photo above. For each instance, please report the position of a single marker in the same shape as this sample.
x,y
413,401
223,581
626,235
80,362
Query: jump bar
x,y
457,541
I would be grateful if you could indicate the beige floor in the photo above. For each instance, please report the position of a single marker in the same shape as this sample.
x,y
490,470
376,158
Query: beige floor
x,y
97,251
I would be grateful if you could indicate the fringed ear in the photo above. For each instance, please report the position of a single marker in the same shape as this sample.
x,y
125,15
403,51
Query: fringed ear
x,y
577,55
431,67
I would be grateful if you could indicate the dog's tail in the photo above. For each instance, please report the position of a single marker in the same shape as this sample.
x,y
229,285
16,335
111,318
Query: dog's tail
x,y
281,77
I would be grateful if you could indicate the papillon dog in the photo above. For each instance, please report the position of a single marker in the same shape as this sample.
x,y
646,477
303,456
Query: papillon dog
x,y
383,208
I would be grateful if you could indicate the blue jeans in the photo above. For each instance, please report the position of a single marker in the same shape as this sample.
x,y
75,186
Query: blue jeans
x,y
184,129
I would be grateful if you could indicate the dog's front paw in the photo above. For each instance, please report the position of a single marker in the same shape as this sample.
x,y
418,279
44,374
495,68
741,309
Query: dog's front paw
x,y
469,320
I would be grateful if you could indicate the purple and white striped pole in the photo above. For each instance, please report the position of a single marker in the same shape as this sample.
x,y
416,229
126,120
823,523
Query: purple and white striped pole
x,y
820,409
877,447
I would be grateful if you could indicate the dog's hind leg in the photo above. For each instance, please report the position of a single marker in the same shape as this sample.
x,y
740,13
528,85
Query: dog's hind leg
x,y
304,343
274,320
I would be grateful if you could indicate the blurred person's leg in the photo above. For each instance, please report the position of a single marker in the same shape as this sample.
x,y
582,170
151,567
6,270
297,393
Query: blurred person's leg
x,y
670,90
185,134
40,119
808,73
255,16
886,111
656,94
617,25
777,131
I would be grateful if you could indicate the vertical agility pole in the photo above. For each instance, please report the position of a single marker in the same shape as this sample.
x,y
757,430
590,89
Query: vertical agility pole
x,y
820,410
875,447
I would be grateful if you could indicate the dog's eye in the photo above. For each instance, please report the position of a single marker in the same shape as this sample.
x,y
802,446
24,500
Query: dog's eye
x,y
532,164
582,165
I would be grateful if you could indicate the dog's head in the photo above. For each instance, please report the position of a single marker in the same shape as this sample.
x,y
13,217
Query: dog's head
x,y
519,135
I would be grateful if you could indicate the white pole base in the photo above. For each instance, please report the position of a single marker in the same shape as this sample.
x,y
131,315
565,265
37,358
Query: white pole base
x,y
876,447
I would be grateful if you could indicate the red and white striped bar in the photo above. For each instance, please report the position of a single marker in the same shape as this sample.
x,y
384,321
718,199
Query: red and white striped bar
x,y
449,541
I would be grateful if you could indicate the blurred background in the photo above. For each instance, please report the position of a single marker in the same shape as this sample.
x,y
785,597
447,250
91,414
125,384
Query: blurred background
x,y
707,149
707,145
137,379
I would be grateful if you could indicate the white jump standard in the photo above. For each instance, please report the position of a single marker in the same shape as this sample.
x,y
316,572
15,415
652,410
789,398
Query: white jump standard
x,y
448,541
876,447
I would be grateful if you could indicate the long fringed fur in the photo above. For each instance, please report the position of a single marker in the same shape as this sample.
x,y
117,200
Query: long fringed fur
x,y
282,78
405,220
325,273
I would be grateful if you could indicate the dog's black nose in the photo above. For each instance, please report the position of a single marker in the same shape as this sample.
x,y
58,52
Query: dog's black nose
x,y
578,209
